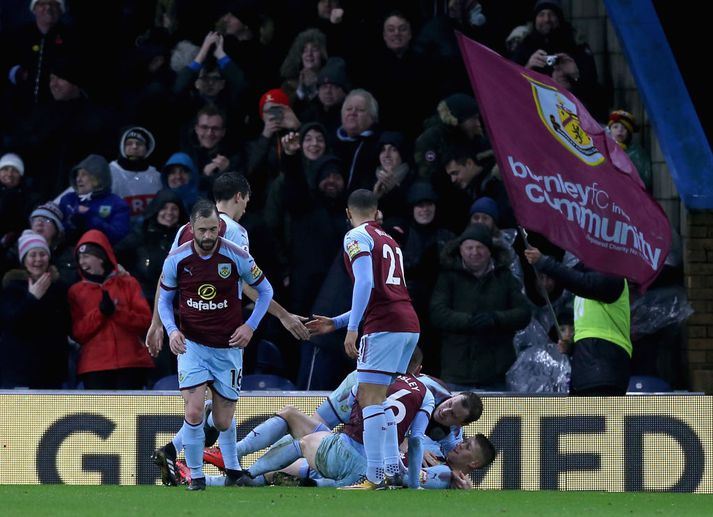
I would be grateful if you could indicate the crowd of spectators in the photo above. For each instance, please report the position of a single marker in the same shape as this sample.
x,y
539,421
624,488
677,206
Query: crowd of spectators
x,y
102,157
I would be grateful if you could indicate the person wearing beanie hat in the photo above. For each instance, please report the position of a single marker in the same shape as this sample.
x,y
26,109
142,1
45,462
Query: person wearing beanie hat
x,y
16,198
91,204
553,5
457,108
477,305
238,18
133,178
47,220
48,213
94,250
59,4
334,72
313,140
34,317
456,122
421,191
482,234
276,97
622,125
110,316
14,163
484,210
68,78
332,88
393,174
137,142
30,240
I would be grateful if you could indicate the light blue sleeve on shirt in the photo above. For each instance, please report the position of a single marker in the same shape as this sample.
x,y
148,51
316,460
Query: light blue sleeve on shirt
x,y
415,447
264,296
165,310
449,442
165,298
363,284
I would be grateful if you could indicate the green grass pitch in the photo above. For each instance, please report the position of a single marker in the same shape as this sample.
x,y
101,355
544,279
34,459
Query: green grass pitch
x,y
105,501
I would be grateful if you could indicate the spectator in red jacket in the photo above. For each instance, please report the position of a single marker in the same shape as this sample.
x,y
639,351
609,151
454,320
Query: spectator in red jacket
x,y
109,317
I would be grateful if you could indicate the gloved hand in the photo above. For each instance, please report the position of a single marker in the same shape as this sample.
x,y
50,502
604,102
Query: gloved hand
x,y
483,320
106,306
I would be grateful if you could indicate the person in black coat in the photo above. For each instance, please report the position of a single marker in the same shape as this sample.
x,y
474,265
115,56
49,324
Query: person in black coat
x,y
34,317
143,251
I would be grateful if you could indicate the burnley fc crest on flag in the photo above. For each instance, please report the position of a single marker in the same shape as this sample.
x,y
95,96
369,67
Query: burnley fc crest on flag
x,y
565,177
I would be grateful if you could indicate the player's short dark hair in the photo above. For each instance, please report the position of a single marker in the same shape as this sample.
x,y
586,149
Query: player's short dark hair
x,y
362,201
203,208
474,404
487,449
416,360
228,184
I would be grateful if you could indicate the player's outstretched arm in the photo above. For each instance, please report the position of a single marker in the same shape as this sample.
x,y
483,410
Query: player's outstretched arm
x,y
320,325
293,323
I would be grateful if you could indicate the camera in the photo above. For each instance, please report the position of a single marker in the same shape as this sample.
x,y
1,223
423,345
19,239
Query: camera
x,y
551,60
276,113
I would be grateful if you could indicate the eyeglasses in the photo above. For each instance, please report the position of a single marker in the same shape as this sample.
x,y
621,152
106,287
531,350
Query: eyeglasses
x,y
212,129
40,219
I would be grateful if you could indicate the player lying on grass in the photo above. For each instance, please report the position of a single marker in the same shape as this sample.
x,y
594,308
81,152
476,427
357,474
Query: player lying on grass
x,y
444,469
339,456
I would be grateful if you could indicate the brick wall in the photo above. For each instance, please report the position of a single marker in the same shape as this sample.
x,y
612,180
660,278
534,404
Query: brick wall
x,y
698,267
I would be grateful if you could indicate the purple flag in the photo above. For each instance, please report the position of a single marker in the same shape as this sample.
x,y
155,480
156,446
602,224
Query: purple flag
x,y
565,177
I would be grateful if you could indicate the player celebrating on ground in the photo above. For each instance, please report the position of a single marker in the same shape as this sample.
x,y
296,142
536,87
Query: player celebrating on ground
x,y
391,327
207,272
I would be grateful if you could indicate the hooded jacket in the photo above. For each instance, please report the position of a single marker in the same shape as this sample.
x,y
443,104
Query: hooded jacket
x,y
188,192
109,342
473,355
105,211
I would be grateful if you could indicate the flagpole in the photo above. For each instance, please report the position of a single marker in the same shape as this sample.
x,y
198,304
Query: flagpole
x,y
540,287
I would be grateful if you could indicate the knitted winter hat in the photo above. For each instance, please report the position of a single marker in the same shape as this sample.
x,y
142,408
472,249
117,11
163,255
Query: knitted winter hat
x,y
421,191
51,211
60,2
13,160
624,118
334,72
30,240
275,96
477,232
457,108
485,205
93,249
142,135
552,5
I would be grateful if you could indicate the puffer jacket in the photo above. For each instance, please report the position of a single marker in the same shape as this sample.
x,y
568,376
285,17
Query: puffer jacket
x,y
109,342
476,356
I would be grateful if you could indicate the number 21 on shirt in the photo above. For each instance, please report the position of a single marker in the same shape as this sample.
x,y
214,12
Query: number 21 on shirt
x,y
393,276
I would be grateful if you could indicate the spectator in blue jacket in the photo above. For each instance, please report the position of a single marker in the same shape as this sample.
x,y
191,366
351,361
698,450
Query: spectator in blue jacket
x,y
91,205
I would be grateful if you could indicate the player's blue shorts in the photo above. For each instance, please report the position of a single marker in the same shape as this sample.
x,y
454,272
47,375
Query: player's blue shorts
x,y
386,352
220,367
338,460
337,408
